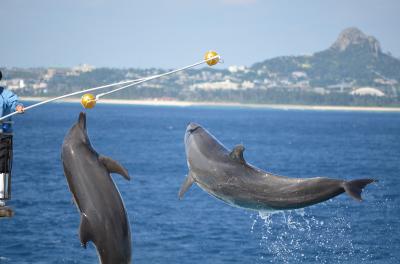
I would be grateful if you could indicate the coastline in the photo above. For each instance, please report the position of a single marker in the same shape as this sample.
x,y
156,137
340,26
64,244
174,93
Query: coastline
x,y
157,102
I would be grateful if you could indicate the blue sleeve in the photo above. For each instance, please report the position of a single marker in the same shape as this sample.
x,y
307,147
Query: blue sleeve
x,y
11,100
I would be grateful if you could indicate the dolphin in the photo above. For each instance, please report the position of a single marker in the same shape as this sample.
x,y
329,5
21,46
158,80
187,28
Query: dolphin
x,y
104,220
227,176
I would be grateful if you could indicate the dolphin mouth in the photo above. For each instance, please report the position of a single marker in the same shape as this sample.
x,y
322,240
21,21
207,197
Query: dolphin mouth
x,y
189,130
192,127
192,130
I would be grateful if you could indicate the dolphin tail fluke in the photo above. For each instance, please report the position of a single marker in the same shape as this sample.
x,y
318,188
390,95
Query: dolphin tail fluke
x,y
84,230
114,167
186,185
355,187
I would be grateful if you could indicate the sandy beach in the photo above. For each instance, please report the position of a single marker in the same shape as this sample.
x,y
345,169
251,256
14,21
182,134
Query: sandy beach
x,y
157,102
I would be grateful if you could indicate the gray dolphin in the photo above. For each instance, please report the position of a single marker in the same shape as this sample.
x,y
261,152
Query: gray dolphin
x,y
227,176
103,217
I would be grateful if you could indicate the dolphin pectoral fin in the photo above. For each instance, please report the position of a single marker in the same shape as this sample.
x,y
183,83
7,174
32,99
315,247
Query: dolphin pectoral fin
x,y
114,167
186,185
84,230
355,187
237,153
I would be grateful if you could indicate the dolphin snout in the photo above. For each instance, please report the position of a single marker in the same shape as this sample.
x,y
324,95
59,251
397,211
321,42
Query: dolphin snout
x,y
192,127
189,130
82,120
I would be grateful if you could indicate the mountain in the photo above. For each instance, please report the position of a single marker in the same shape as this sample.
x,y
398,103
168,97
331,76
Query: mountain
x,y
353,60
352,71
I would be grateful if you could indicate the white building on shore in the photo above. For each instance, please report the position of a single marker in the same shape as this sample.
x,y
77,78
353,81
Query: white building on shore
x,y
368,91
13,84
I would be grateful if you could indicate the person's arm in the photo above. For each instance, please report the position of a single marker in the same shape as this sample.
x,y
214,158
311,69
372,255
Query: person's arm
x,y
11,99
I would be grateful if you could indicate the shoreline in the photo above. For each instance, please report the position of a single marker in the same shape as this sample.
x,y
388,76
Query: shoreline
x,y
156,102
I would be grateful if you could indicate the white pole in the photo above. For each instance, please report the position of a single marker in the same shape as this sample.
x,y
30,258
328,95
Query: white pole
x,y
71,94
155,77
2,189
131,83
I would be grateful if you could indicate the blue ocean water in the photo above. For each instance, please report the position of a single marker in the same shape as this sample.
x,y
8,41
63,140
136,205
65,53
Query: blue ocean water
x,y
200,229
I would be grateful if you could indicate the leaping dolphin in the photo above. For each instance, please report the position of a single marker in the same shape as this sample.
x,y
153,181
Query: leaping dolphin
x,y
103,217
227,176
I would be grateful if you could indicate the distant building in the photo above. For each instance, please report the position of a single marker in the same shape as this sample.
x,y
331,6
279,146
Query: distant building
x,y
299,74
385,82
341,86
320,90
14,84
82,68
235,68
41,85
49,74
225,85
247,85
368,91
306,66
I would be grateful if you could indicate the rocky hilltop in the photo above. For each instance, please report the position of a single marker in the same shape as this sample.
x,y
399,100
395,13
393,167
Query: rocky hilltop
x,y
354,60
355,37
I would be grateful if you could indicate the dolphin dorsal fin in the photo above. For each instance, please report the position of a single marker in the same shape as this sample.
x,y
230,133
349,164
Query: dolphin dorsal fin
x,y
84,230
114,167
237,153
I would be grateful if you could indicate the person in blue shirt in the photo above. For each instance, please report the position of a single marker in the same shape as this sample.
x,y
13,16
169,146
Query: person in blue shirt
x,y
8,103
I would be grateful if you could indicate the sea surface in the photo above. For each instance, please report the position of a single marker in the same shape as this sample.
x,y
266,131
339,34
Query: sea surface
x,y
148,141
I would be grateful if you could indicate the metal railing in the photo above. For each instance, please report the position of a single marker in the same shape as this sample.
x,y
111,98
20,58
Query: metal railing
x,y
6,156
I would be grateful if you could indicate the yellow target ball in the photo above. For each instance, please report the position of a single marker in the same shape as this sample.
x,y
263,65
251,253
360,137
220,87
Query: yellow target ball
x,y
210,54
88,101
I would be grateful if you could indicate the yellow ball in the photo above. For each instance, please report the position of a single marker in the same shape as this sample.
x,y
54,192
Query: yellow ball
x,y
209,55
88,101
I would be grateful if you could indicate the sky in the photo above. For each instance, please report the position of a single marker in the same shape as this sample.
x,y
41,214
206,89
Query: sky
x,y
175,33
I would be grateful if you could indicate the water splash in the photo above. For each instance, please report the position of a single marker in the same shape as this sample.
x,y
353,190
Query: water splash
x,y
297,236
